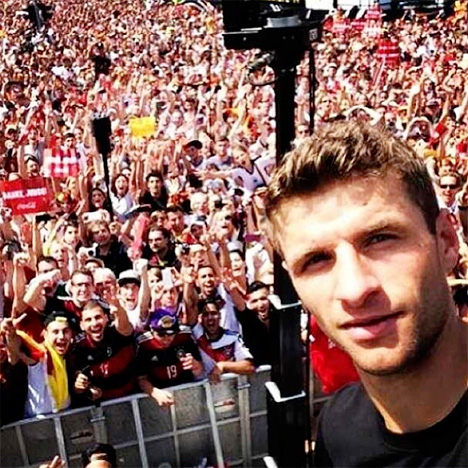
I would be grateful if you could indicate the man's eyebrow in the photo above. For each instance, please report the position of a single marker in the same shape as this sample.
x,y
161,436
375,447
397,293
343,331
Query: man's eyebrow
x,y
312,249
383,225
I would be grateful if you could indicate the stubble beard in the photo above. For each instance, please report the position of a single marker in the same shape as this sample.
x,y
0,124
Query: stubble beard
x,y
419,349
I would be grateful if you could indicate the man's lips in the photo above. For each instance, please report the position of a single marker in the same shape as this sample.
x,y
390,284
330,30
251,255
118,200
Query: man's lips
x,y
362,322
61,346
369,328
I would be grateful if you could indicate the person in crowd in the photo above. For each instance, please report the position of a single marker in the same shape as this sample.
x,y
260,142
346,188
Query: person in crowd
x,y
155,194
222,351
206,284
121,197
48,373
97,199
134,294
176,222
99,455
71,235
103,355
159,250
110,250
40,298
255,322
13,377
374,272
104,281
166,357
449,185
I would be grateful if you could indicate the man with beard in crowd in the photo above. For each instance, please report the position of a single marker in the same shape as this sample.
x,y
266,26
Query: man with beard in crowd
x,y
159,250
103,355
109,249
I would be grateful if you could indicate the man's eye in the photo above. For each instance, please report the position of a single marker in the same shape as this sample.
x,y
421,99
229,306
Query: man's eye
x,y
379,238
316,260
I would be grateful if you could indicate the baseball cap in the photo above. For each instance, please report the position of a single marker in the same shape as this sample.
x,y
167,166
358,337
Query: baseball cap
x,y
197,221
195,143
129,276
162,321
62,317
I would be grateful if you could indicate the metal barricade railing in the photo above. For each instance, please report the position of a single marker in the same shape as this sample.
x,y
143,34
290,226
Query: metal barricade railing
x,y
226,422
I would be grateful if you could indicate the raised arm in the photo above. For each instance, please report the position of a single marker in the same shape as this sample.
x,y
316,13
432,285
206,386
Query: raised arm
x,y
144,296
189,295
121,320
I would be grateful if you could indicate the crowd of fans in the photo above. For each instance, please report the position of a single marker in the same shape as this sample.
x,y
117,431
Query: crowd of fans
x,y
154,283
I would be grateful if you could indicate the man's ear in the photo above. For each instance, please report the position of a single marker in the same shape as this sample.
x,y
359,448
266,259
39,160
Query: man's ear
x,y
447,240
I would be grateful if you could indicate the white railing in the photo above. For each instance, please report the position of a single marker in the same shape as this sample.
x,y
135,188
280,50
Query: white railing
x,y
219,423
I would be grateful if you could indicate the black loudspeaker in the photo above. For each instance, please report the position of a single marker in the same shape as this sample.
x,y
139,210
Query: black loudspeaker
x,y
102,131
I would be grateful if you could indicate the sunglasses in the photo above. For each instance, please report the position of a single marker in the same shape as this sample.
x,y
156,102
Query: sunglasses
x,y
449,186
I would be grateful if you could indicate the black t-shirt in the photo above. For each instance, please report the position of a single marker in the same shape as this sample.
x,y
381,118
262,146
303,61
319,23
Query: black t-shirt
x,y
102,64
352,433
157,203
170,260
109,364
162,367
116,258
256,336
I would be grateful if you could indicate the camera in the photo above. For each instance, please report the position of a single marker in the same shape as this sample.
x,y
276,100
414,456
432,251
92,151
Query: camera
x,y
90,251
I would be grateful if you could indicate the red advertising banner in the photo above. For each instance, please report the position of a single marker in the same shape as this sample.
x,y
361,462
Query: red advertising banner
x,y
25,196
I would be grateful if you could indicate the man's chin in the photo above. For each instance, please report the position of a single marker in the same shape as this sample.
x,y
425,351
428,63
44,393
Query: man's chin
x,y
386,366
61,350
97,336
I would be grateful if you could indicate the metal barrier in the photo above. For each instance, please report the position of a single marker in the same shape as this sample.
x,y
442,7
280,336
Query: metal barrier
x,y
219,423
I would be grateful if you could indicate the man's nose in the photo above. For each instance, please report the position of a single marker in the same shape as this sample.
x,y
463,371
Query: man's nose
x,y
356,280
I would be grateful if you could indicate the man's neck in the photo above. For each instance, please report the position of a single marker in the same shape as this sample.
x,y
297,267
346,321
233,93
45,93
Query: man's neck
x,y
162,253
416,400
104,248
214,336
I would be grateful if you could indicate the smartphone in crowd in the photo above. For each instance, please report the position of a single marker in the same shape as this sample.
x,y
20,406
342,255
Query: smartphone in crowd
x,y
167,280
